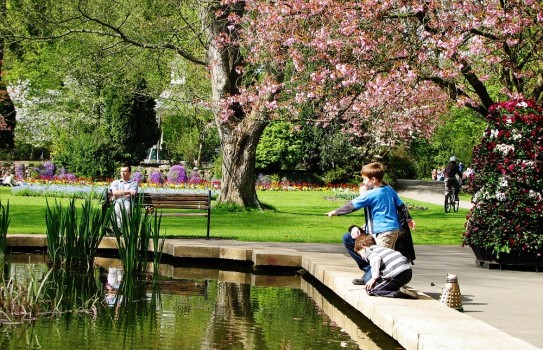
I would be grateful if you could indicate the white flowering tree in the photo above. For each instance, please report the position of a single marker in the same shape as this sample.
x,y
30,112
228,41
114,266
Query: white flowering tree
x,y
43,118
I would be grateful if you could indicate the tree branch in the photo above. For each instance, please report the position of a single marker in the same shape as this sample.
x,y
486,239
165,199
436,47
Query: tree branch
x,y
455,92
118,33
476,83
537,91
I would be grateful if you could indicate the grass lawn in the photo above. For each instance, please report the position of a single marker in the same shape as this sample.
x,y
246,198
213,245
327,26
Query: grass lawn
x,y
297,217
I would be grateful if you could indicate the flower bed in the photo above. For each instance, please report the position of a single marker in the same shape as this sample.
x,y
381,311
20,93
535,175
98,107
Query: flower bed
x,y
95,191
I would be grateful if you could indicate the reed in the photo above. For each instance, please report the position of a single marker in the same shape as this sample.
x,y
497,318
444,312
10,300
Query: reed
x,y
158,244
22,302
73,238
74,292
51,294
136,307
4,224
134,229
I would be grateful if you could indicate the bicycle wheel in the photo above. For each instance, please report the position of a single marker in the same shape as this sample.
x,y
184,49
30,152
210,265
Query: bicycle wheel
x,y
448,200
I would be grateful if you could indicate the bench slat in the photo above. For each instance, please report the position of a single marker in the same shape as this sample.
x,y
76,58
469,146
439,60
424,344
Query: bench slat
x,y
179,206
177,197
177,202
195,205
184,201
184,214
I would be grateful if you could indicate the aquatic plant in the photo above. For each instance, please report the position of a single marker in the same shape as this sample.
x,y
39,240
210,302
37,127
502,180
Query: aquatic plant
x,y
25,296
4,224
79,292
72,239
22,301
134,229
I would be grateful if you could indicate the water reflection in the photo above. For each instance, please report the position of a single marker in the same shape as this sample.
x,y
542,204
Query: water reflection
x,y
192,308
114,278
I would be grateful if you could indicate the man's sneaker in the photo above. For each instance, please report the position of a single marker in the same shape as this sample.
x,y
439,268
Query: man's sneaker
x,y
359,281
407,294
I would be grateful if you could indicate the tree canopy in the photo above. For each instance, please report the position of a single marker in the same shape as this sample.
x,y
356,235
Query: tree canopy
x,y
392,62
384,69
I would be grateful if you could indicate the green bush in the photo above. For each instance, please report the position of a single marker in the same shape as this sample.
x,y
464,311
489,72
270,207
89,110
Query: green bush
x,y
279,148
89,155
338,176
399,165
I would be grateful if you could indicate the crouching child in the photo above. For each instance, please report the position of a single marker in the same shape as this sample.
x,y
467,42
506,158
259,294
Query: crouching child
x,y
390,270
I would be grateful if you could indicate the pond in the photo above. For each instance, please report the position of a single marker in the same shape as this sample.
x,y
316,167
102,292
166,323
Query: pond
x,y
187,308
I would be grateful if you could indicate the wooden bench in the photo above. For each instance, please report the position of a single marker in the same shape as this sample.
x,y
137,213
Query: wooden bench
x,y
190,204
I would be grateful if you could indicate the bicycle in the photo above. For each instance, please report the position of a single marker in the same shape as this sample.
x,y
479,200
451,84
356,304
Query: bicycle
x,y
450,201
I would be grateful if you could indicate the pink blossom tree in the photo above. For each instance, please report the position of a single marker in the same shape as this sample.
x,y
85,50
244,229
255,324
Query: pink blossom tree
x,y
385,68
394,61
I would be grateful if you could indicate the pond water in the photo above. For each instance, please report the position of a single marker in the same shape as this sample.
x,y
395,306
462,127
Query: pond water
x,y
187,308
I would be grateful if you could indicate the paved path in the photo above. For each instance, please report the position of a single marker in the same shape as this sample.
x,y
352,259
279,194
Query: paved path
x,y
493,300
508,300
426,191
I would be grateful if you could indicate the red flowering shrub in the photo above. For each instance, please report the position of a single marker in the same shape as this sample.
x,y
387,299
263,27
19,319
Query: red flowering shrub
x,y
508,183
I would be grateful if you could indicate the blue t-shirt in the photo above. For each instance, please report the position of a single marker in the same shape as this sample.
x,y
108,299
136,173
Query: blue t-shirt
x,y
381,202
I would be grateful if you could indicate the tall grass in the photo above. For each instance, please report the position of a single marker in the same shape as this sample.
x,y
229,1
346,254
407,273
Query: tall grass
x,y
22,302
73,238
71,291
4,224
134,230
26,296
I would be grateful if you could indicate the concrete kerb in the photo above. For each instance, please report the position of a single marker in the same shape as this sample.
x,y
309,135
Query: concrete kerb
x,y
416,324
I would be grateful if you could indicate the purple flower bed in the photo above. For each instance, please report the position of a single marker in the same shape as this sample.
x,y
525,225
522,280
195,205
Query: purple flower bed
x,y
64,176
137,176
20,172
177,174
48,170
156,178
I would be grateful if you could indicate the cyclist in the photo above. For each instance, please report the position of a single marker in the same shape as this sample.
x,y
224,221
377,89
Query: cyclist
x,y
450,172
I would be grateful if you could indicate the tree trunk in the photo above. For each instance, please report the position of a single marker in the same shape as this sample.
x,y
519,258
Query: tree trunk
x,y
7,109
238,162
239,134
